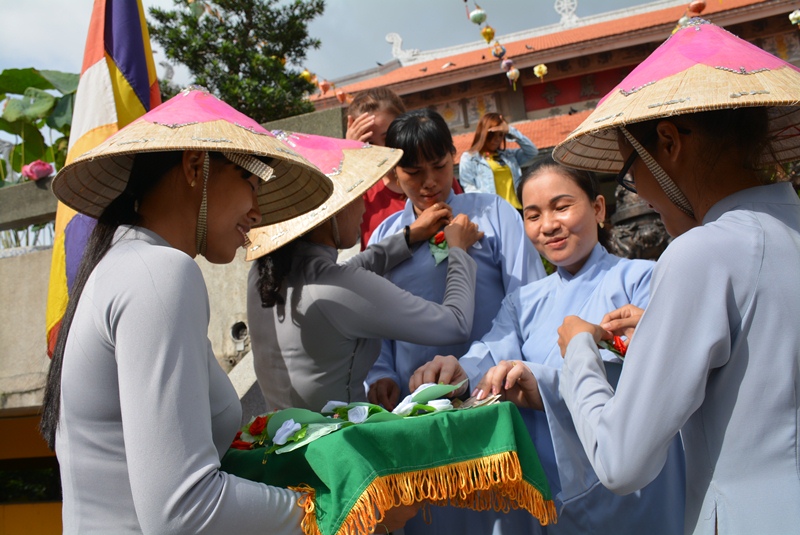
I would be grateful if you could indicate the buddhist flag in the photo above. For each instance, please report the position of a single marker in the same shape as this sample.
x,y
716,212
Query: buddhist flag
x,y
118,84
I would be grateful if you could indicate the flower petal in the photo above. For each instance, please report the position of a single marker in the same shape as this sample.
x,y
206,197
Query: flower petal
x,y
285,431
358,414
331,405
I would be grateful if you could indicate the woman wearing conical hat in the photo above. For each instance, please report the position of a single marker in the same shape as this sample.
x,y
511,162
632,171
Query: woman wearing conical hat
x,y
697,130
316,325
136,406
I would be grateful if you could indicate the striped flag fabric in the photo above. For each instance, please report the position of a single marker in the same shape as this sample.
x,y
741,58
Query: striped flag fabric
x,y
118,83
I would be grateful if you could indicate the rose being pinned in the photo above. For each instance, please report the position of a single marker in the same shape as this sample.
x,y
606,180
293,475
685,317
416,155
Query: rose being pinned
x,y
439,247
617,345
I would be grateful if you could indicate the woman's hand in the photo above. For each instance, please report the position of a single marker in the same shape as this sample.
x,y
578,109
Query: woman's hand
x,y
384,392
462,233
514,381
359,128
442,369
396,517
430,222
502,127
622,321
573,325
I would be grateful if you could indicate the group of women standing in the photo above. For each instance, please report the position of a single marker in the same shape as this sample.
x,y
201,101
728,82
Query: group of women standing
x,y
659,444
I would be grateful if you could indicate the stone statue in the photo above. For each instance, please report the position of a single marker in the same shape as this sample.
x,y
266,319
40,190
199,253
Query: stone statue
x,y
637,230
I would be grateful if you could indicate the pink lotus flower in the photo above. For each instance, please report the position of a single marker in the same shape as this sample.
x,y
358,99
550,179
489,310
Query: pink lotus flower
x,y
36,170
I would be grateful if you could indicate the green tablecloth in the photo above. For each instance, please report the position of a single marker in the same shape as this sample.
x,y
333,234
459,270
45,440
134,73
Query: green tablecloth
x,y
480,458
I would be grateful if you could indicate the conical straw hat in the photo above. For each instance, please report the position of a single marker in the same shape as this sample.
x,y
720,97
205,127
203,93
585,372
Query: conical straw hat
x,y
700,68
192,120
353,166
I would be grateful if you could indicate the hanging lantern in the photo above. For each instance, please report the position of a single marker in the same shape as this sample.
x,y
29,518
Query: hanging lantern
x,y
513,76
341,96
540,71
498,50
794,17
506,65
488,33
306,75
697,7
324,85
478,16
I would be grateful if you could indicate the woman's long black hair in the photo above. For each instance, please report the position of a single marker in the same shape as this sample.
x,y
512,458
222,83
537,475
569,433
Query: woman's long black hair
x,y
272,269
147,171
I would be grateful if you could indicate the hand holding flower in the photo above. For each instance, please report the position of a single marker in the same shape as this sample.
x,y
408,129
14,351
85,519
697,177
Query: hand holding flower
x,y
430,221
574,325
462,232
622,321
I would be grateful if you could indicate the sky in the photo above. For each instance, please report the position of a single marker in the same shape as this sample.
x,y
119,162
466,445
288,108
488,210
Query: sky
x,y
46,34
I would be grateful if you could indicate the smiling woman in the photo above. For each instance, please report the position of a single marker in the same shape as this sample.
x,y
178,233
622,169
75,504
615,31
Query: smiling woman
x,y
133,363
562,212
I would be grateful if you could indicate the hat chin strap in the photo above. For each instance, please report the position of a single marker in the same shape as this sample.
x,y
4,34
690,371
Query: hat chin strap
x,y
202,218
667,185
337,239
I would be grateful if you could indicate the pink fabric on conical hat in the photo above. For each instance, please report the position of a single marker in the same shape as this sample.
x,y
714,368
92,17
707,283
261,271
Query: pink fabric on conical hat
x,y
324,152
199,107
690,47
353,167
700,68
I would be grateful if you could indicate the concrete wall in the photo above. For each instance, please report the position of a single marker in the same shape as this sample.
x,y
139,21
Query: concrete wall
x,y
23,349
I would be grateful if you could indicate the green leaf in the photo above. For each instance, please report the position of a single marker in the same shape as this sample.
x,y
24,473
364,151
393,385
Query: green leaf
x,y
65,82
32,147
16,81
312,433
61,117
35,104
10,127
435,392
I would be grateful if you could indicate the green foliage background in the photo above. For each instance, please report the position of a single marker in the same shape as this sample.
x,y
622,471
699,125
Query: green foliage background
x,y
240,50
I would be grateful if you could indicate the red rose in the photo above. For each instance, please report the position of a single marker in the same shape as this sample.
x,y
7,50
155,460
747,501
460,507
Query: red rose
x,y
439,238
620,345
258,426
239,444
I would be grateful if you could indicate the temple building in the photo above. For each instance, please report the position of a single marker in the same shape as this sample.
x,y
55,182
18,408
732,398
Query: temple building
x,y
585,59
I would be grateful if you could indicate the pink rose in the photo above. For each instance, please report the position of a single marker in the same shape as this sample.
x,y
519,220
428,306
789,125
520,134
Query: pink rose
x,y
36,170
